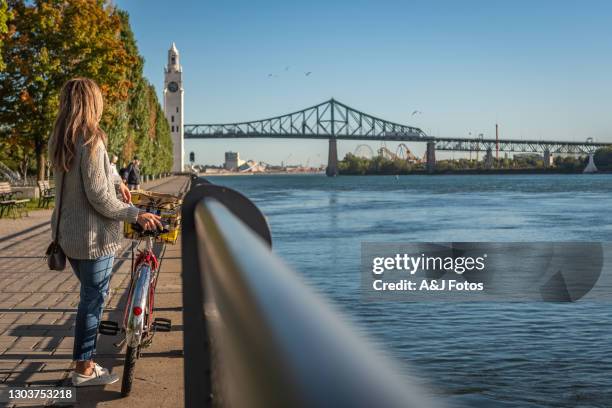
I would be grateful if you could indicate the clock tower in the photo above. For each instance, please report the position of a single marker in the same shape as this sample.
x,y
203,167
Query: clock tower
x,y
173,106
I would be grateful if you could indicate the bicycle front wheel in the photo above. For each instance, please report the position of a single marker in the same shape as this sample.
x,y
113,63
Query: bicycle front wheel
x,y
128,370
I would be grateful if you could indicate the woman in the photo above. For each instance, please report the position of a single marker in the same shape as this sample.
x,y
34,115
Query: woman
x,y
89,228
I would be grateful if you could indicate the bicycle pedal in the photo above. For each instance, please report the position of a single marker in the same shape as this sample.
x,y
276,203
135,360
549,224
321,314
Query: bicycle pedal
x,y
108,327
162,325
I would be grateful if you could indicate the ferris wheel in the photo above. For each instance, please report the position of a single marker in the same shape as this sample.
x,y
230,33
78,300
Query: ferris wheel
x,y
364,151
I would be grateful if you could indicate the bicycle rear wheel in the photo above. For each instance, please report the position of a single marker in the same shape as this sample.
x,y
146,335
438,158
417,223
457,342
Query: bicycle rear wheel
x,y
128,370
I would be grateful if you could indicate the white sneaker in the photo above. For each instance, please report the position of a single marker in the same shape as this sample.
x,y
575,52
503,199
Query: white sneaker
x,y
99,376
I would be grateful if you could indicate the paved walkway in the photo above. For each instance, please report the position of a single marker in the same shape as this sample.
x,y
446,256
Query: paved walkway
x,y
38,308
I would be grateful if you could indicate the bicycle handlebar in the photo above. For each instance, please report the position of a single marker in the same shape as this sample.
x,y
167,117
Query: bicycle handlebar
x,y
149,233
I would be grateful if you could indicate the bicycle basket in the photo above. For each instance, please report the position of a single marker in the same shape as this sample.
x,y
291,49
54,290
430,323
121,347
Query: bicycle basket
x,y
167,206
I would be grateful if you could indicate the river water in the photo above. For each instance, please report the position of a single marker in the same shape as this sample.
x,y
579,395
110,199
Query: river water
x,y
479,355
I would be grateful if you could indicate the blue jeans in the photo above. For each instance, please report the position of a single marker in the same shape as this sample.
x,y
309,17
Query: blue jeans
x,y
94,275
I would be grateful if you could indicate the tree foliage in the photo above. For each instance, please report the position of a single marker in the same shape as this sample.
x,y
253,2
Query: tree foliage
x,y
603,158
4,15
355,165
571,163
51,41
352,164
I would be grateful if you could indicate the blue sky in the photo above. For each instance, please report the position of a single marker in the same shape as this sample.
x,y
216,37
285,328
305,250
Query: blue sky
x,y
541,69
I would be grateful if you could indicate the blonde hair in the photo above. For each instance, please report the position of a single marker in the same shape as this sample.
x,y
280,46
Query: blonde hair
x,y
80,111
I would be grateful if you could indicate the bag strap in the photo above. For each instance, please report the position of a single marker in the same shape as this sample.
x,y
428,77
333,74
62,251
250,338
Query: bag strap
x,y
59,208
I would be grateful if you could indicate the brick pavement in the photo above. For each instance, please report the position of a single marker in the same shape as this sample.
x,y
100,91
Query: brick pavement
x,y
38,308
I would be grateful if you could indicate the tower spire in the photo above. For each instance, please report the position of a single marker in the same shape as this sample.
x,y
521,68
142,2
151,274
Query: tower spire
x,y
173,59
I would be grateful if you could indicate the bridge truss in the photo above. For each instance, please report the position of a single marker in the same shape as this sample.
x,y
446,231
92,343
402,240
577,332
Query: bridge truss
x,y
334,120
517,146
330,119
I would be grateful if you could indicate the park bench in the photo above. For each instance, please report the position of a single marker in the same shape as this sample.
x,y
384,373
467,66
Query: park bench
x,y
9,204
47,194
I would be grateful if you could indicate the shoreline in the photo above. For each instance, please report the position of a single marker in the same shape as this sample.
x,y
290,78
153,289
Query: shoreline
x,y
494,172
262,173
478,172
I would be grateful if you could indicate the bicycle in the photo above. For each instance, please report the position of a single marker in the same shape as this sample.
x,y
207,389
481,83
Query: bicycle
x,y
139,323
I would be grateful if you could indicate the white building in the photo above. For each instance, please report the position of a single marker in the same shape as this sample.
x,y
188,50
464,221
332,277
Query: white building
x,y
251,166
173,106
232,161
526,156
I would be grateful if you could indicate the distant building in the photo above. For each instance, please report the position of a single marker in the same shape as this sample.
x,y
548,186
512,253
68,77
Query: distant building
x,y
526,156
232,161
251,166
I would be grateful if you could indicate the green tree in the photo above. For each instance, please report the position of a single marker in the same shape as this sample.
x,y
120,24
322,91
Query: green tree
x,y
143,129
4,16
603,158
49,42
570,163
352,164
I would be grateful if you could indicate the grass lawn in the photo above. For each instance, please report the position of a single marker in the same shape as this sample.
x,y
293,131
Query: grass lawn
x,y
33,205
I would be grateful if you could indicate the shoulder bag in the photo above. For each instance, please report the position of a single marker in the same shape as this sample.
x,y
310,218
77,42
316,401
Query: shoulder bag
x,y
56,259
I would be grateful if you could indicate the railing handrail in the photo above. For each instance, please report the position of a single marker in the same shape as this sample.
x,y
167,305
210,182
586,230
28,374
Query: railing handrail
x,y
273,341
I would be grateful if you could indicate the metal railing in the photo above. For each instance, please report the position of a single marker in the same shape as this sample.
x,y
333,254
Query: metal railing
x,y
254,334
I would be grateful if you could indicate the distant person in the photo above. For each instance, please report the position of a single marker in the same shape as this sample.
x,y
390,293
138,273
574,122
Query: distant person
x,y
89,228
123,172
133,174
114,171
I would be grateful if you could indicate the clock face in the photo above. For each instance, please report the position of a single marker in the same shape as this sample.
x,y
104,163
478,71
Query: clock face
x,y
173,86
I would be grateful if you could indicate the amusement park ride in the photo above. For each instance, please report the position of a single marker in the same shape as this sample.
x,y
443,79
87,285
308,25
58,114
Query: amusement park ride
x,y
402,152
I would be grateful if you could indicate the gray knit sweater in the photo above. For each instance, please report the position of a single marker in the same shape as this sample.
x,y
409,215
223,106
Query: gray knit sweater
x,y
90,226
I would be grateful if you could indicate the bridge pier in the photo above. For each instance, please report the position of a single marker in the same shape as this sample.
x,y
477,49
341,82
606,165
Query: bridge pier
x,y
431,157
488,161
591,168
332,159
547,158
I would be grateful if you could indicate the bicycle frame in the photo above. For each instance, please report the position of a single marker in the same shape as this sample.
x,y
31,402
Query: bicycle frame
x,y
139,326
139,307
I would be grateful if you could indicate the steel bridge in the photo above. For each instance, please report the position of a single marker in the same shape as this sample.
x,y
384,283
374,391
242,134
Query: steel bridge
x,y
333,120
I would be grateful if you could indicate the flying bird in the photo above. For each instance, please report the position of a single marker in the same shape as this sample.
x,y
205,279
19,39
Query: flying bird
x,y
415,112
308,73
